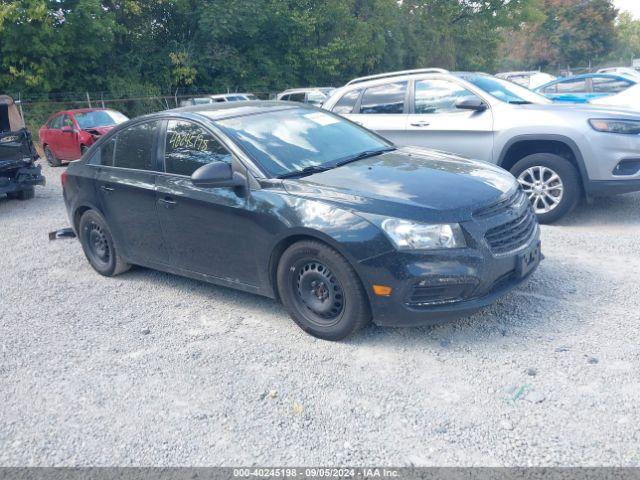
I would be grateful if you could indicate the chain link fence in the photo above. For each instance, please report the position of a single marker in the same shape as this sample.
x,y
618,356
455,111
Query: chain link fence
x,y
37,109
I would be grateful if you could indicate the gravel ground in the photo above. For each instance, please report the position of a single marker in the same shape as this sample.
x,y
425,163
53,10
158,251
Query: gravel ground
x,y
154,369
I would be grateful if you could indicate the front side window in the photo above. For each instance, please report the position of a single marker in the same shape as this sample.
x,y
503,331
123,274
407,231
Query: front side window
x,y
135,147
387,98
296,97
347,103
438,96
189,147
504,90
572,86
291,139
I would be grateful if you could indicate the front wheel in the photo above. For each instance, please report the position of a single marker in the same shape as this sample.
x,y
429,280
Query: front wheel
x,y
552,184
321,291
99,248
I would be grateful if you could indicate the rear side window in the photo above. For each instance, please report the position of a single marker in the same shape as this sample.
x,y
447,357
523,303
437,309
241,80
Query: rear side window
x,y
347,103
134,147
105,156
387,98
189,147
56,123
609,85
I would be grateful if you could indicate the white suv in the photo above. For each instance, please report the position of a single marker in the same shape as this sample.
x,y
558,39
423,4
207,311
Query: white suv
x,y
558,152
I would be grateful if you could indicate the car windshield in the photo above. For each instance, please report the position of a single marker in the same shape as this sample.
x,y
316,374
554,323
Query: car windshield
x,y
316,97
100,118
505,90
291,140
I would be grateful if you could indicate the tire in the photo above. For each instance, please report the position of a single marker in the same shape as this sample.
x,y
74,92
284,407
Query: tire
x,y
52,160
547,178
99,248
305,271
26,194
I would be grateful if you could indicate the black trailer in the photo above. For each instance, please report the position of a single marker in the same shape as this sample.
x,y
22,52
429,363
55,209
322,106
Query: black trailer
x,y
19,173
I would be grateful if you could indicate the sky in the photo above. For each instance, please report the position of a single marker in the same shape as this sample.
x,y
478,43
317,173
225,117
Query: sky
x,y
632,6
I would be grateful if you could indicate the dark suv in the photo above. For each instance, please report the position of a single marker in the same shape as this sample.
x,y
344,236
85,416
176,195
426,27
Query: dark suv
x,y
299,204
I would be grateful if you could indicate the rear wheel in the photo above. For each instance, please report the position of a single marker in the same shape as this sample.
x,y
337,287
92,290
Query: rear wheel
x,y
551,183
26,194
321,291
51,157
99,248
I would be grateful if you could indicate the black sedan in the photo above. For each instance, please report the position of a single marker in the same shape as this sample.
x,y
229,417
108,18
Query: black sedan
x,y
300,205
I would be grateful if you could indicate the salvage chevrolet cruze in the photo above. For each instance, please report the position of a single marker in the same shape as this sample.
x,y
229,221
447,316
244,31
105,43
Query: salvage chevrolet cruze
x,y
301,205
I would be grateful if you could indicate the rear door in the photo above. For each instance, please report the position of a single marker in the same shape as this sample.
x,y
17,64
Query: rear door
x,y
126,183
435,122
207,230
53,134
382,108
68,143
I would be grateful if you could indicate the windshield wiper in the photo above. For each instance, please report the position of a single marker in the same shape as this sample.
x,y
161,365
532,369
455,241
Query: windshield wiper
x,y
305,171
520,102
363,155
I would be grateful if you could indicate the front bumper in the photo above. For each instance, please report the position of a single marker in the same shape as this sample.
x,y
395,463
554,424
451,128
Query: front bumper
x,y
429,288
605,188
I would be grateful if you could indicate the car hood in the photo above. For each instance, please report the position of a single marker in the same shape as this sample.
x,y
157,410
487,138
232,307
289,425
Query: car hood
x,y
99,130
585,109
410,183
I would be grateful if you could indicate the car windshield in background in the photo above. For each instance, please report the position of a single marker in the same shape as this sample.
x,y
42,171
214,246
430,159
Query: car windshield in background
x,y
291,140
316,97
505,90
100,118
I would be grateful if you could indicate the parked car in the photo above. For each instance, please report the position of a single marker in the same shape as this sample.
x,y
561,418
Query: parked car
x,y
220,98
584,88
558,152
628,99
313,96
298,204
19,173
529,79
624,71
70,133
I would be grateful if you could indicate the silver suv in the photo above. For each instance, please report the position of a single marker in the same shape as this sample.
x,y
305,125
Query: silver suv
x,y
557,152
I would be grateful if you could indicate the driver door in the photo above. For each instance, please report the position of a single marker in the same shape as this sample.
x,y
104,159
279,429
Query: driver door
x,y
435,122
206,230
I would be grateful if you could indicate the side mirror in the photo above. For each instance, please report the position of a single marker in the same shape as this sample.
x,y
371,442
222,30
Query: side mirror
x,y
471,103
216,174
67,129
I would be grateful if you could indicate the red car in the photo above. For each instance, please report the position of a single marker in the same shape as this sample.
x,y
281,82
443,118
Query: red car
x,y
67,134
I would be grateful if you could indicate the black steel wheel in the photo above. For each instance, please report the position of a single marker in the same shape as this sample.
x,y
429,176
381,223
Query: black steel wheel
x,y
99,248
321,291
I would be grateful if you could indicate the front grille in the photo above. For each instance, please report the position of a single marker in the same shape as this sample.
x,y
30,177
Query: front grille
x,y
515,201
512,235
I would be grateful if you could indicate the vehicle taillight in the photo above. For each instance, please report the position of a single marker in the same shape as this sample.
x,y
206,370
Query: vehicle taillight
x,y
63,178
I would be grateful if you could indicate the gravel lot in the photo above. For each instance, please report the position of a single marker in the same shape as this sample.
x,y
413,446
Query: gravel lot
x,y
154,369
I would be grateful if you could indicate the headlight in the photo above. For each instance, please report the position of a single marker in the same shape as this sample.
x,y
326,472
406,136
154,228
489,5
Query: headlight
x,y
625,127
407,235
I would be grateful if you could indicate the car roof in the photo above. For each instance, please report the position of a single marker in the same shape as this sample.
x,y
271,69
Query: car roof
x,y
219,111
82,110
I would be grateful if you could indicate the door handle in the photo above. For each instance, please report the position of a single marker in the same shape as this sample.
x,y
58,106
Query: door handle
x,y
421,124
167,202
107,188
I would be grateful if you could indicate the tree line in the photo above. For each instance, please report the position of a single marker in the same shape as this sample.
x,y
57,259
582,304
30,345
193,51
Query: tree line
x,y
128,46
